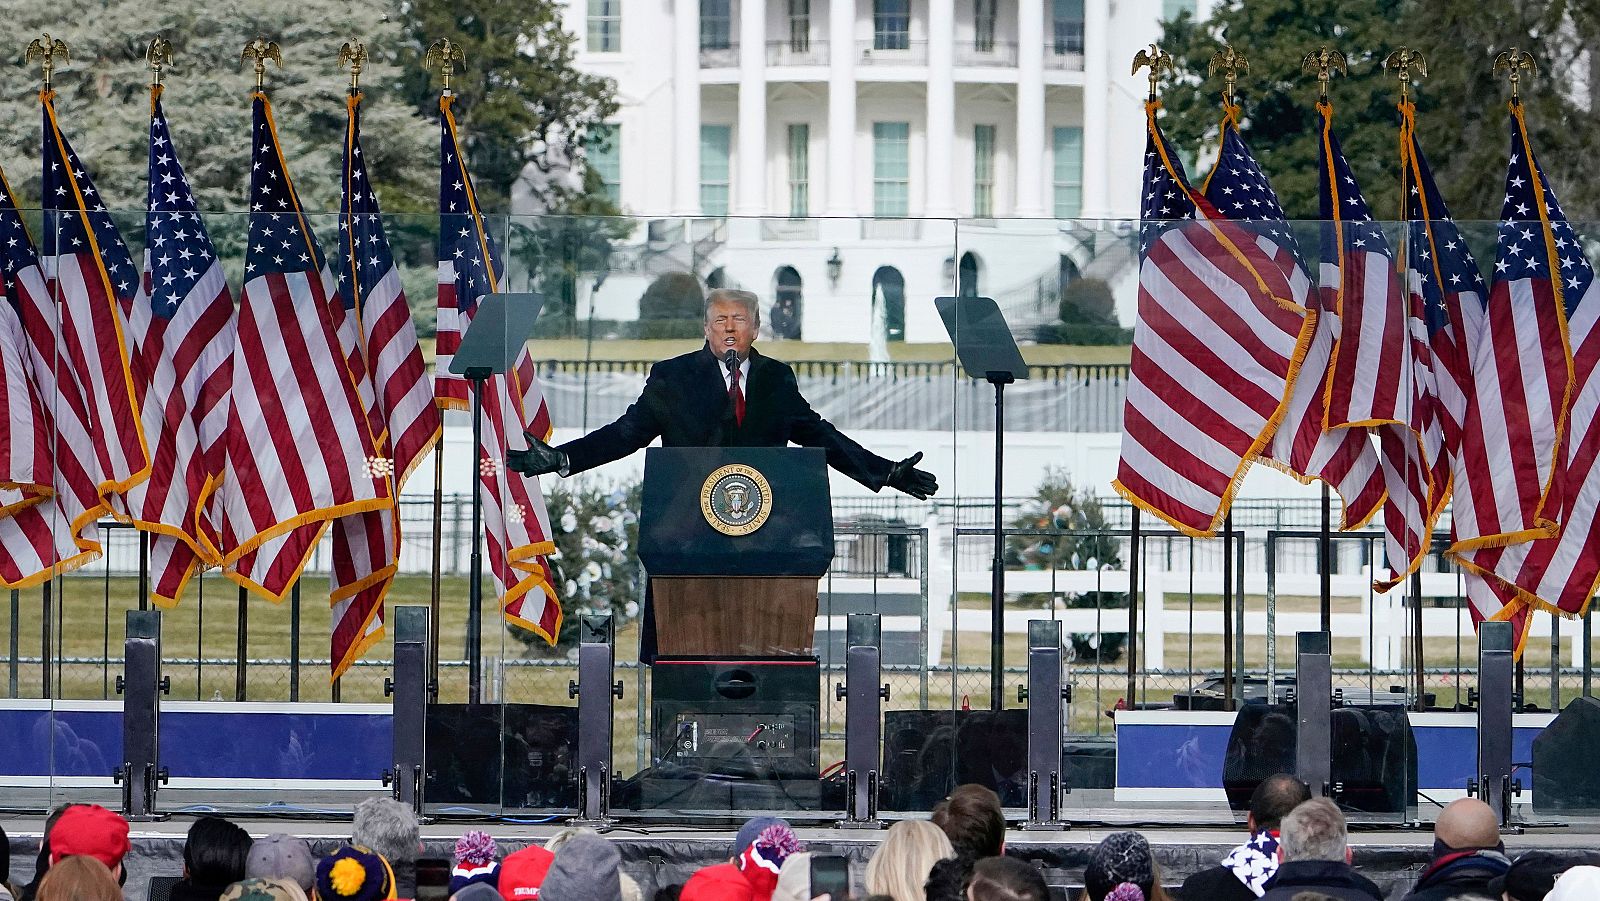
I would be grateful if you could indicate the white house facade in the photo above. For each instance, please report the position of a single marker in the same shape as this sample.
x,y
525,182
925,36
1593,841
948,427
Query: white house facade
x,y
985,144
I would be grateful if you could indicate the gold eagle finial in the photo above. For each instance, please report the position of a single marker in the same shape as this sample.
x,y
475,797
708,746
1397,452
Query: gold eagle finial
x,y
1156,60
1323,62
1231,62
47,49
1407,62
1515,60
445,56
261,50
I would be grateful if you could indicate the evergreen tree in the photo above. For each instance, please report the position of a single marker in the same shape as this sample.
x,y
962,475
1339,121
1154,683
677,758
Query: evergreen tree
x,y
1461,106
103,100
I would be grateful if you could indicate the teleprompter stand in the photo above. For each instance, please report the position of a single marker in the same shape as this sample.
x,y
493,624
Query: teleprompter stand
x,y
987,351
499,330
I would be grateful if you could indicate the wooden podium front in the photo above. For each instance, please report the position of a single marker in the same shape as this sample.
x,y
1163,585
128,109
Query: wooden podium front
x,y
742,588
734,617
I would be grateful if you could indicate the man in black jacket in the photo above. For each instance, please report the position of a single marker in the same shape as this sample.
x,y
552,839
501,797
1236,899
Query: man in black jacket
x,y
723,395
1467,855
1245,872
701,399
1316,857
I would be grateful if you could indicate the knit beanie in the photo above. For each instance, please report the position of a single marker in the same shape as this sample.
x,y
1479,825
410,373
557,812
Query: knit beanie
x,y
354,874
763,860
752,828
1121,857
475,860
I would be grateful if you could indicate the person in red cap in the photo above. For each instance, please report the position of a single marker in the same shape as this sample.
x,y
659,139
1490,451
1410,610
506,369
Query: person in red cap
x,y
523,872
93,831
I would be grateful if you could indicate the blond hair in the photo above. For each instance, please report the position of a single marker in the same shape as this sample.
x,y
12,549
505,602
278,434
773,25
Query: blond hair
x,y
746,299
900,866
79,877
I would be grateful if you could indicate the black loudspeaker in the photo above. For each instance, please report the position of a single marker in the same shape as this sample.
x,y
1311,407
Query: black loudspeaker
x,y
734,733
1373,755
1565,780
502,756
929,752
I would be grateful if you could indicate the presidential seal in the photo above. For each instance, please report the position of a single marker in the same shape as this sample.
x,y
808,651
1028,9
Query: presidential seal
x,y
736,499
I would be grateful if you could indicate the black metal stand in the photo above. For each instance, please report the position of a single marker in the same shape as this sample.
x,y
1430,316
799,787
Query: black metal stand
x,y
1494,785
141,687
997,590
476,376
595,692
1227,611
863,693
1044,695
1313,672
410,688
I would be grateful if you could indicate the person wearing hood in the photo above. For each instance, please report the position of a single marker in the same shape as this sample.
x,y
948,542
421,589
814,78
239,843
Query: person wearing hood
x,y
760,849
1243,875
1467,855
1314,848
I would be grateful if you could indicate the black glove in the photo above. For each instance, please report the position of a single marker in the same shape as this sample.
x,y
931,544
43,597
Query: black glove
x,y
919,483
538,459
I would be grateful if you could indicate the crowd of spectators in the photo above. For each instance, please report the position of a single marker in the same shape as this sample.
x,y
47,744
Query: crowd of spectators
x,y
1298,849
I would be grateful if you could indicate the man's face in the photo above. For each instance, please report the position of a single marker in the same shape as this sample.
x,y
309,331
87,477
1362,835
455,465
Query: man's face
x,y
729,326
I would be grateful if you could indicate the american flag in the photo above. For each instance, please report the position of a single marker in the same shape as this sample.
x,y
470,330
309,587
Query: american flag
x,y
376,331
1300,445
1373,377
1443,278
89,274
1523,374
1218,335
299,448
183,324
516,524
48,510
1562,573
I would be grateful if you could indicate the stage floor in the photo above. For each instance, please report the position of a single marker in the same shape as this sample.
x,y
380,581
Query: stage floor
x,y
657,855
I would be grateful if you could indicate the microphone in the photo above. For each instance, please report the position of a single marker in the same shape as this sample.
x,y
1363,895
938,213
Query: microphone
x,y
731,359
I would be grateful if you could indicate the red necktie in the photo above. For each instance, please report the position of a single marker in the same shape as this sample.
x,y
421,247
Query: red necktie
x,y
736,396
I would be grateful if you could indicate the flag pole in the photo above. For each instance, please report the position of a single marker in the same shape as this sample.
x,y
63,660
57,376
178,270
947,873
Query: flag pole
x,y
1405,61
444,55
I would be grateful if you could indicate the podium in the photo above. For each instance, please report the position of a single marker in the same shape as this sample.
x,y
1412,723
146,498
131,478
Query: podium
x,y
734,541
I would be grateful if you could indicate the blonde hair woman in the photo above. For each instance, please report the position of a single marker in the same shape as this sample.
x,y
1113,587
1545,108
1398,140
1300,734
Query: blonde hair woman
x,y
79,878
900,866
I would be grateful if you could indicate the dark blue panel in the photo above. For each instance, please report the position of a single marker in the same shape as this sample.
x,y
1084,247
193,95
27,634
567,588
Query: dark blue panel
x,y
276,745
1446,756
1175,756
60,742
1522,753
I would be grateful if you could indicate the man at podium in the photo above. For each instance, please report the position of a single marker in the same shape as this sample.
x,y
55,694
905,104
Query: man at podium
x,y
726,394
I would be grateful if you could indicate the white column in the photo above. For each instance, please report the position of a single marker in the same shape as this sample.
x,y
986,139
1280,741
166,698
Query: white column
x,y
686,108
1030,109
750,190
941,131
841,108
1096,108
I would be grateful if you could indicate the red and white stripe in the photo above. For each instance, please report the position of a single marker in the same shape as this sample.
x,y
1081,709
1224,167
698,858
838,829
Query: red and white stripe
x,y
1212,357
1561,574
1367,380
52,498
184,406
1519,377
515,520
1343,458
299,451
95,348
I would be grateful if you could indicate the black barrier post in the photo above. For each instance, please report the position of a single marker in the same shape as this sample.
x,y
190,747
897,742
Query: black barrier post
x,y
595,691
1494,785
1313,675
409,688
141,687
1044,695
863,693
